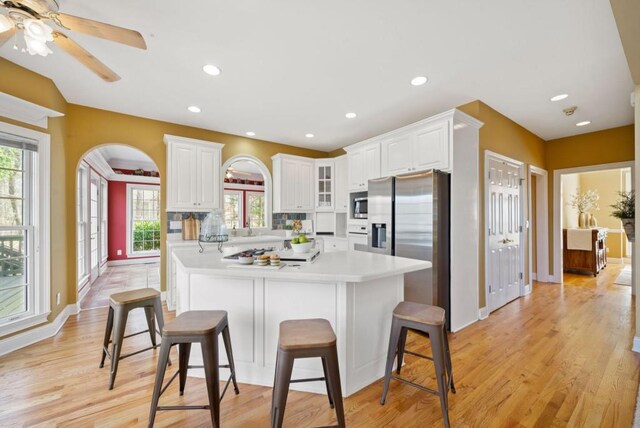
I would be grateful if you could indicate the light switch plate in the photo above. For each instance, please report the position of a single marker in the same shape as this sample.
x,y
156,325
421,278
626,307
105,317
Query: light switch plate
x,y
175,225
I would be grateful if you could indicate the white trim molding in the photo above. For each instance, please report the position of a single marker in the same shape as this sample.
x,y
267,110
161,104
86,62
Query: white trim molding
x,y
636,344
483,313
542,224
30,337
557,207
129,250
25,111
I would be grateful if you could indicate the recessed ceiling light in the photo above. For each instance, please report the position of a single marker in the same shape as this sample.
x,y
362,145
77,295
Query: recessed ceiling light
x,y
212,70
583,123
350,115
420,80
251,133
194,109
309,135
558,97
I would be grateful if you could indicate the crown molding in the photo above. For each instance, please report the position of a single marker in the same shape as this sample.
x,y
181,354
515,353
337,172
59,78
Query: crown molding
x,y
26,112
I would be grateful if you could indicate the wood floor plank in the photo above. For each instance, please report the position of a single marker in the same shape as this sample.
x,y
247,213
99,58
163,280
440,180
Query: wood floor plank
x,y
558,357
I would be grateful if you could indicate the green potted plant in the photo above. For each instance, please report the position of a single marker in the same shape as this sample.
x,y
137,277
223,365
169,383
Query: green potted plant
x,y
625,210
288,228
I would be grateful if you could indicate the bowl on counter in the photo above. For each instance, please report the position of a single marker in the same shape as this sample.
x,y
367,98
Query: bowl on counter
x,y
245,259
302,248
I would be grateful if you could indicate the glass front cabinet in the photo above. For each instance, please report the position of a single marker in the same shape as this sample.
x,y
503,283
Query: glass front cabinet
x,y
325,185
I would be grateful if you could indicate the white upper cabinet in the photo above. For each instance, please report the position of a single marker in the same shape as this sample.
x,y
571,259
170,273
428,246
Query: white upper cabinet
x,y
431,147
397,155
325,184
341,192
293,178
363,165
417,148
193,174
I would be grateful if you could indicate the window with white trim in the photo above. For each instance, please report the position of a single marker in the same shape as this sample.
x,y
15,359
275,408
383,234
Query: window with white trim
x,y
255,209
143,220
81,222
24,268
233,209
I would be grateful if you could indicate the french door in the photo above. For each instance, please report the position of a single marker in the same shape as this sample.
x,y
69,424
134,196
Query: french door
x,y
94,227
504,230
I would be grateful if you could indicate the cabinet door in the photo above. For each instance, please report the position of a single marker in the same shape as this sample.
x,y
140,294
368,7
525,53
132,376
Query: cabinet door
x,y
356,170
396,155
305,194
325,185
183,179
341,193
208,162
371,163
290,186
431,147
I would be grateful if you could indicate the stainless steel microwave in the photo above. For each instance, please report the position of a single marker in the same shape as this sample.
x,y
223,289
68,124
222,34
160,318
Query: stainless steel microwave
x,y
360,207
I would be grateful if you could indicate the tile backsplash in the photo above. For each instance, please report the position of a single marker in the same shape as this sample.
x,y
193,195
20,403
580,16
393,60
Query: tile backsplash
x,y
279,220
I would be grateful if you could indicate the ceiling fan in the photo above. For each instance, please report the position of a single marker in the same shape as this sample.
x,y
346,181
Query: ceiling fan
x,y
33,17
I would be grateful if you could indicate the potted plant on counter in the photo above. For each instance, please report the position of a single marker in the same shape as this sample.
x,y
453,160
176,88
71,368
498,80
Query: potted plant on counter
x,y
625,210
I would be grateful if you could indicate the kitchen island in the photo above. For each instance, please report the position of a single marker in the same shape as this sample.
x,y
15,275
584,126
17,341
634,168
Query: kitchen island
x,y
356,291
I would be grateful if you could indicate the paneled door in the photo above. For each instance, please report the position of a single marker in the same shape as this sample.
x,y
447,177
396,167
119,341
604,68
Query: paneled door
x,y
504,228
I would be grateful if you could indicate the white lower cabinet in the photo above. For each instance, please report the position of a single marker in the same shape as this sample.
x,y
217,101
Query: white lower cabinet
x,y
334,244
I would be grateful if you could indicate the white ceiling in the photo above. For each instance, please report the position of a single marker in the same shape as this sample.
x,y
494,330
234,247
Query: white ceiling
x,y
125,157
292,67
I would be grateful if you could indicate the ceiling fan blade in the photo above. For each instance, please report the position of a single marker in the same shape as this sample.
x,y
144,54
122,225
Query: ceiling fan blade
x,y
102,30
6,35
82,55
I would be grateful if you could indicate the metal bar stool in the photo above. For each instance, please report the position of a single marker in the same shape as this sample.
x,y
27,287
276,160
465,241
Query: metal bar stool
x,y
120,304
429,320
195,327
306,339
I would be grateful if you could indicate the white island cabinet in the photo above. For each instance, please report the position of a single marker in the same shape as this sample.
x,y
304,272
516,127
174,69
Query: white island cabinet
x,y
355,291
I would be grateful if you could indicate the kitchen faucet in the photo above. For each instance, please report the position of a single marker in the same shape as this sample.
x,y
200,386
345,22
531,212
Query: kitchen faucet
x,y
249,232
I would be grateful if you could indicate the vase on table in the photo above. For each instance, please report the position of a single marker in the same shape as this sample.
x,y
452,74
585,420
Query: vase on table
x,y
582,221
592,221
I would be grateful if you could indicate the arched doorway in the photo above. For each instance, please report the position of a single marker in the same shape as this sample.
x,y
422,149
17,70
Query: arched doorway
x,y
117,223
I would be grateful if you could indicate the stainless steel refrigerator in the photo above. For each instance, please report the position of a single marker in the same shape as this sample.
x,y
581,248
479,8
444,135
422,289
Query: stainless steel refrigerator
x,y
409,217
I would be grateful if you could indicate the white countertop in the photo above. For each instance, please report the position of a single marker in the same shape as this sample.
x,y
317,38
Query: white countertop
x,y
343,266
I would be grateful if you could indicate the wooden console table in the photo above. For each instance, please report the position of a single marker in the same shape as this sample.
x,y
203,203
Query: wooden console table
x,y
592,261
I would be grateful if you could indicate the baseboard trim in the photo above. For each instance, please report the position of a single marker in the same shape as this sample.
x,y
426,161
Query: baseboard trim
x,y
483,313
527,289
37,334
534,276
83,293
615,260
163,296
636,344
554,280
145,260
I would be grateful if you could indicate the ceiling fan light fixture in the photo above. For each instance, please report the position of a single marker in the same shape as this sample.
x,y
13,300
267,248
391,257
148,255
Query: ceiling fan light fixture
x,y
5,23
38,30
36,47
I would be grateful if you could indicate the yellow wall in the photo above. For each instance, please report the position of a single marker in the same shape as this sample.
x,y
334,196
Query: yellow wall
x,y
502,135
595,148
82,129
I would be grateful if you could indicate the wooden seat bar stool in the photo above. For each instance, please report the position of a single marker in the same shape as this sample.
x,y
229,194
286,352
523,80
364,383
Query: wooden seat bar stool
x,y
120,304
307,338
202,327
429,320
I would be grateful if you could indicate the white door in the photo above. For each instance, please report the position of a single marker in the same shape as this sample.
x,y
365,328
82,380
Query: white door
x,y
306,195
94,227
504,264
184,176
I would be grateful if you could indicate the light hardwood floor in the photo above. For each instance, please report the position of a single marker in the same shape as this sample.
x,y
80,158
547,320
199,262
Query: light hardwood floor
x,y
121,278
559,357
